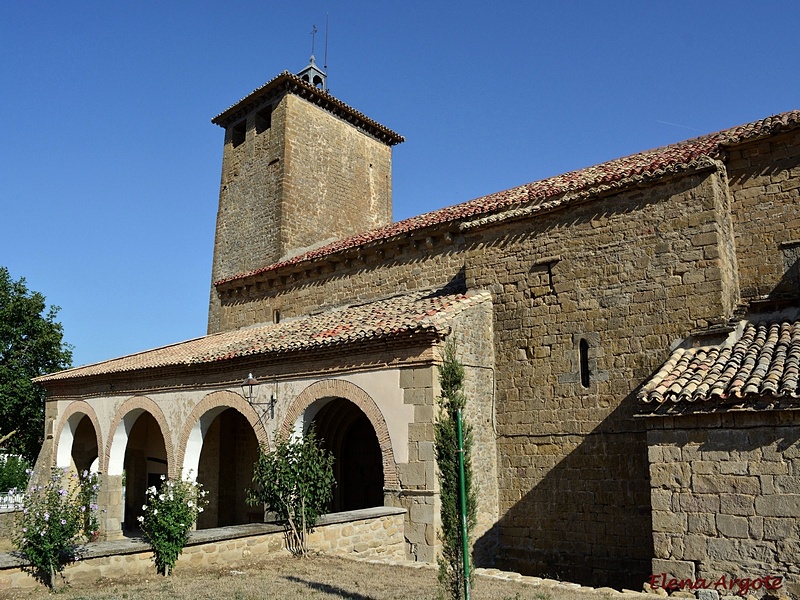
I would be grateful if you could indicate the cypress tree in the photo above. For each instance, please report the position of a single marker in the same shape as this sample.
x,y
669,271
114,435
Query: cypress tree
x,y
451,380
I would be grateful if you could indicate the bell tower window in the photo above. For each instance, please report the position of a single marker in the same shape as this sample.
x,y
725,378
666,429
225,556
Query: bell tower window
x,y
264,119
239,133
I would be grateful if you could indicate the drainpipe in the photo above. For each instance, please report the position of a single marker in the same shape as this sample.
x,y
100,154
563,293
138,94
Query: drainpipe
x,y
463,497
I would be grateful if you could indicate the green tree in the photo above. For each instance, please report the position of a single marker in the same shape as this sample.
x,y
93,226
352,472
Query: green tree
x,y
296,482
13,472
451,380
31,344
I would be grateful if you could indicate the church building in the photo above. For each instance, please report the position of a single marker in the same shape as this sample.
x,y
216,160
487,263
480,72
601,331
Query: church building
x,y
630,334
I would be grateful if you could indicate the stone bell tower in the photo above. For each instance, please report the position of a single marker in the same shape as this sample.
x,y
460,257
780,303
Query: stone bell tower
x,y
300,169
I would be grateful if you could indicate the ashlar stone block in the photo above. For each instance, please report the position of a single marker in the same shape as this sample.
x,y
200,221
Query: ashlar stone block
x,y
787,505
678,569
731,526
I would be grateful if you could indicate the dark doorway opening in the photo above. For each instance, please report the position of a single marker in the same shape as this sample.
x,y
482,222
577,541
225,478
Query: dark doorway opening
x,y
358,468
230,449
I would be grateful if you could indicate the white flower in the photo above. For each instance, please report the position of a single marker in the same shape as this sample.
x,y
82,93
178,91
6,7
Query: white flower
x,y
190,504
155,511
144,506
151,490
199,509
163,477
161,497
140,519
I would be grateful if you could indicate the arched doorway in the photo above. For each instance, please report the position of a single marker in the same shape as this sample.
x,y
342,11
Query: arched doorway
x,y
144,464
225,469
358,468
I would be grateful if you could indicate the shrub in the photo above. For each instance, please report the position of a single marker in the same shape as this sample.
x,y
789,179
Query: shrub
x,y
451,379
296,482
169,513
87,499
13,472
51,519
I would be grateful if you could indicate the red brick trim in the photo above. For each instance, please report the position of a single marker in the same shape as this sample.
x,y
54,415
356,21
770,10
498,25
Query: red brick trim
x,y
80,407
150,407
214,400
337,388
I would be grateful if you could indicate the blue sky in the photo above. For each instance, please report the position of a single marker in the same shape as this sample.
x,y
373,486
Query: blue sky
x,y
110,166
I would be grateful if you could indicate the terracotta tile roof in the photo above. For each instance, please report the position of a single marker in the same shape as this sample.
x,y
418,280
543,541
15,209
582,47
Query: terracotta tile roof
x,y
559,190
295,85
759,361
392,318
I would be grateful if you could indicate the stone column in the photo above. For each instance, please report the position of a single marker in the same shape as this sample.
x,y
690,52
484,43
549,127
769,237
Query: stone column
x,y
112,510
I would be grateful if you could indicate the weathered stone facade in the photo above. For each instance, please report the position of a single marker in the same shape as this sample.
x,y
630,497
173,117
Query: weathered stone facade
x,y
565,296
726,495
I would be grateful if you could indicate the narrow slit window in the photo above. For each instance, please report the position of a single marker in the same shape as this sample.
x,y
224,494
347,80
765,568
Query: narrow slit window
x,y
583,347
276,316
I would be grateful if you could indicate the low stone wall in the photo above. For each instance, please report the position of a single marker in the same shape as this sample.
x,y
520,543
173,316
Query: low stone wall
x,y
372,532
7,518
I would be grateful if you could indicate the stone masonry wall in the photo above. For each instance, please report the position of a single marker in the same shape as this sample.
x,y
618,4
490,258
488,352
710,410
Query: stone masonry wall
x,y
338,179
419,486
765,186
726,495
417,493
629,275
473,333
7,519
250,187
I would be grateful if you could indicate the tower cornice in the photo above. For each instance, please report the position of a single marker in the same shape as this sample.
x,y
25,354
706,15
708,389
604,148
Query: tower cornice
x,y
286,82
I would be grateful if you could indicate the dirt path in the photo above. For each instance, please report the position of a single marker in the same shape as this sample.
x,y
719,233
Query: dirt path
x,y
319,577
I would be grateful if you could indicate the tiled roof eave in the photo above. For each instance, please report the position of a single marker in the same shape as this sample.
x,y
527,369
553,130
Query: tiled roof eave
x,y
422,335
581,196
288,82
749,404
757,367
524,206
418,318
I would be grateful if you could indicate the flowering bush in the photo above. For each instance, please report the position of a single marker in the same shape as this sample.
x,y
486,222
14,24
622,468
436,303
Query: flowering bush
x,y
87,498
51,519
169,514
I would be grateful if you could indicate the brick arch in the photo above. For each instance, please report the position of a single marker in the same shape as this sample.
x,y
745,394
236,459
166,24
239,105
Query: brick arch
x,y
85,409
224,400
149,406
337,388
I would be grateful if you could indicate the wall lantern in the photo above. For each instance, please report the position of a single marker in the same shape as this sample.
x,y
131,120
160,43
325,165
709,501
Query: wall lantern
x,y
247,387
250,394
